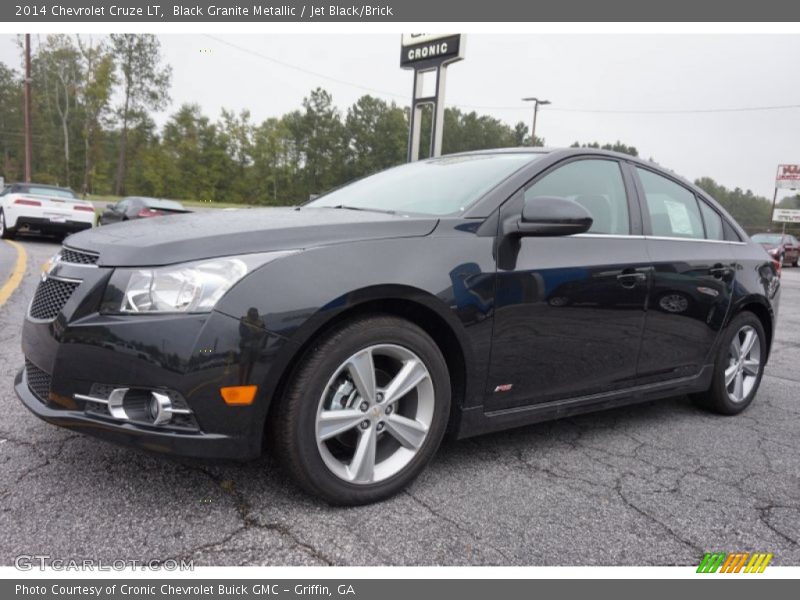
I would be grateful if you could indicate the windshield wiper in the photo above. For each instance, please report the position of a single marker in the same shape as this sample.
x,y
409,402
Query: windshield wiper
x,y
344,207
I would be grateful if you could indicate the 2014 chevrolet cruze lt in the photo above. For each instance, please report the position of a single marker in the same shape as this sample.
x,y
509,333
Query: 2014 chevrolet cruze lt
x,y
469,293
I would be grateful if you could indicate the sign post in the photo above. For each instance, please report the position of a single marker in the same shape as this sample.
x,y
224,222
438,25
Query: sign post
x,y
787,178
428,54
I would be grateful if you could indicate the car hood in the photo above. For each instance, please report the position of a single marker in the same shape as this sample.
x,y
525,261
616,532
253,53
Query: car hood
x,y
213,233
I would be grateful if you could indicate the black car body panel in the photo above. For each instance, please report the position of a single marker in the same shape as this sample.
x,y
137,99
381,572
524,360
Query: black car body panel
x,y
532,329
202,235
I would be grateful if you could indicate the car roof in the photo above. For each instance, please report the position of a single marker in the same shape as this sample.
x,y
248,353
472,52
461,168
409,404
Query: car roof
x,y
573,151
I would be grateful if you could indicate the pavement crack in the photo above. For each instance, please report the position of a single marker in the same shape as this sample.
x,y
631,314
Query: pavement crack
x,y
457,525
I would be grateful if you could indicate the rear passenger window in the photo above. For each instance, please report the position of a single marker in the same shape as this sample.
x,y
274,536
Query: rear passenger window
x,y
594,184
673,209
712,221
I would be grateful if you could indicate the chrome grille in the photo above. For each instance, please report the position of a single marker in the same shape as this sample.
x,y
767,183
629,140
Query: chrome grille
x,y
78,257
50,298
38,380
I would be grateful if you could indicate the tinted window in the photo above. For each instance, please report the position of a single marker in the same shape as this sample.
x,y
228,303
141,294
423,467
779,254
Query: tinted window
x,y
440,186
48,191
596,185
712,221
673,209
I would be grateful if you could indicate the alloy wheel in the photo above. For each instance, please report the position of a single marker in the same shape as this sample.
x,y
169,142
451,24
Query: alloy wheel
x,y
744,364
375,413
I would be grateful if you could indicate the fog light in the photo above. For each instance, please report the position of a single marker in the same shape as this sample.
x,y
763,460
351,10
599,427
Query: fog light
x,y
159,408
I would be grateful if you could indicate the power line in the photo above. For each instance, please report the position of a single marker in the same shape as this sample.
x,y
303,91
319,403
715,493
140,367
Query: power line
x,y
649,111
515,107
303,69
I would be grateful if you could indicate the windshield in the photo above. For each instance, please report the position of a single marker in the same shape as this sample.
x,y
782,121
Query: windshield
x,y
49,191
441,186
767,238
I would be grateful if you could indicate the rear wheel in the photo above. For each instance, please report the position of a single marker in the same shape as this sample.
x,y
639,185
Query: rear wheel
x,y
365,411
5,232
738,368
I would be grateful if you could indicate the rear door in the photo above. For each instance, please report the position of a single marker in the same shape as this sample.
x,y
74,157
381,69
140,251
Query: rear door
x,y
693,276
570,310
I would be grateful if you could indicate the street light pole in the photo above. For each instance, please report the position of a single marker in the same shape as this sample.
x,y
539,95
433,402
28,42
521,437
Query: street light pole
x,y
536,103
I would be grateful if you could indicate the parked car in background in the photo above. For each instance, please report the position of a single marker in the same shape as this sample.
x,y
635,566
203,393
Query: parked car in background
x,y
140,207
780,246
43,208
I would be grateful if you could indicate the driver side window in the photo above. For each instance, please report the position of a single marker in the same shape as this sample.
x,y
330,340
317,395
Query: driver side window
x,y
595,184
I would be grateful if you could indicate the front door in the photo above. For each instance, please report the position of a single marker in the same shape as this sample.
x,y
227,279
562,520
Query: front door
x,y
570,310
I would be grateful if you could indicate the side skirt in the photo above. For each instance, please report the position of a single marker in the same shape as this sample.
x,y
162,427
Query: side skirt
x,y
474,421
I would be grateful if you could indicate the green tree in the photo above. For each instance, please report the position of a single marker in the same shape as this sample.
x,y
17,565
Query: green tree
x,y
145,86
377,134
11,138
57,73
94,94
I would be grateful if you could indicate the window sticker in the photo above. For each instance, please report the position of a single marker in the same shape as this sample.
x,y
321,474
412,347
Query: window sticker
x,y
678,217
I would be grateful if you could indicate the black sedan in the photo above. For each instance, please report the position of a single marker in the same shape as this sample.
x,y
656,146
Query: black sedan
x,y
139,207
463,294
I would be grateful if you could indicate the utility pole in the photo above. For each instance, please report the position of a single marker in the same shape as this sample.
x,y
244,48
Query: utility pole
x,y
27,109
536,103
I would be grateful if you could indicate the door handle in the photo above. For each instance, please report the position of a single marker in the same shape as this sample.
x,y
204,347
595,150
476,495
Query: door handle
x,y
630,279
719,271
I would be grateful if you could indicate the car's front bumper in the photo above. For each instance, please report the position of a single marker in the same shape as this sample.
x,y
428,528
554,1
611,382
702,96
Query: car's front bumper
x,y
192,356
200,444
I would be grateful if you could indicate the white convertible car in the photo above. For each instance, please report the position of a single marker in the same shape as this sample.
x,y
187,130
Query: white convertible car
x,y
44,208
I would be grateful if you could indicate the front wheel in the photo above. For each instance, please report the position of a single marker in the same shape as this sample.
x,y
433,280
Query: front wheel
x,y
5,232
365,411
739,366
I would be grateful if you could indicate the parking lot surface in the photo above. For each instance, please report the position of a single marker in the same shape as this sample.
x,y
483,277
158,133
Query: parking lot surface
x,y
653,484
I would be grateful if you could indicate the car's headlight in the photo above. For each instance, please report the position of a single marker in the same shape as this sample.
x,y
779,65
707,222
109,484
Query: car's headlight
x,y
182,288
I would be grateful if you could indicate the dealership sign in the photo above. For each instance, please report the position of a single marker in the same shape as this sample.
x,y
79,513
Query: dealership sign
x,y
430,49
785,215
788,177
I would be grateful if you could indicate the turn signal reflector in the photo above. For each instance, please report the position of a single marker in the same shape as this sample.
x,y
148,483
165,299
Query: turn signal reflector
x,y
239,395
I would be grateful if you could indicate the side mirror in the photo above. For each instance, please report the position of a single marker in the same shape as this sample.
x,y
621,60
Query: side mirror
x,y
111,206
545,216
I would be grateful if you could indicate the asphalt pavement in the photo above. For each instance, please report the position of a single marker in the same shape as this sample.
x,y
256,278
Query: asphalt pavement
x,y
653,484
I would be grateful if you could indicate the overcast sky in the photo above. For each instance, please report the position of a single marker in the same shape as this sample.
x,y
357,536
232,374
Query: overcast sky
x,y
576,72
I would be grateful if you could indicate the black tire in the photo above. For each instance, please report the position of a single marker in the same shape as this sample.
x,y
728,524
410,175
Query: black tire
x,y
716,398
294,423
7,233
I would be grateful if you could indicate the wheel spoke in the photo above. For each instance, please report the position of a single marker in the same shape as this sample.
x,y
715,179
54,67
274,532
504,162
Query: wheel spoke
x,y
362,467
749,340
408,432
736,347
738,386
335,422
410,376
730,373
751,367
362,369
